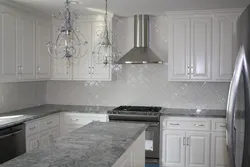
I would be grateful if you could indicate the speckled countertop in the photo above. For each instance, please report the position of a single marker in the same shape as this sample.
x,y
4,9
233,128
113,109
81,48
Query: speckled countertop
x,y
20,116
94,145
193,113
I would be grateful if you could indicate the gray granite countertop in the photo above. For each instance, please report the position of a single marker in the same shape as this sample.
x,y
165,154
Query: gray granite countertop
x,y
20,116
94,145
193,113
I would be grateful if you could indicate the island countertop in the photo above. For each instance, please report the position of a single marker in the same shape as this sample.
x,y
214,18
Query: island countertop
x,y
94,145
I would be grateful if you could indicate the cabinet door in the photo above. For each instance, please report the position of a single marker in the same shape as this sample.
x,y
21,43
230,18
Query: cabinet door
x,y
225,47
201,47
45,138
27,48
219,150
42,56
179,48
173,148
54,133
100,71
197,150
61,68
32,142
82,69
8,45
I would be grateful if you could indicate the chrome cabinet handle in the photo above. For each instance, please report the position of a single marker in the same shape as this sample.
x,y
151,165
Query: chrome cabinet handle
x,y
176,124
49,122
199,125
74,119
188,70
188,141
192,70
92,70
89,70
222,126
33,128
184,141
38,70
19,70
67,71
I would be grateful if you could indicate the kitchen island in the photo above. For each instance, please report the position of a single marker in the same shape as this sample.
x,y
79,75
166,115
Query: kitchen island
x,y
94,145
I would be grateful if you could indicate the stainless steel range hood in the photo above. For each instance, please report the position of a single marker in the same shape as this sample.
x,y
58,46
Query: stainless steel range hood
x,y
141,53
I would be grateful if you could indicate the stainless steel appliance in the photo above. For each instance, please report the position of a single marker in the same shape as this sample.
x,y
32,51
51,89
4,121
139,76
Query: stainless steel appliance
x,y
12,142
140,53
238,106
141,114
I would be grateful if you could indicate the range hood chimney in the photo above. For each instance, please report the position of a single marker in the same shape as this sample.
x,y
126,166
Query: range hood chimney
x,y
141,53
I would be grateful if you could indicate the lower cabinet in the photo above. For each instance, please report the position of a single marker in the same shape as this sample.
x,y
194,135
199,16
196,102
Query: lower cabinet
x,y
219,151
191,142
42,132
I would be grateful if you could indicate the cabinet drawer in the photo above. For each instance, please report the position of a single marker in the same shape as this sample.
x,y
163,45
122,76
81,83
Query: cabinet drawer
x,y
219,125
49,122
185,124
31,128
82,119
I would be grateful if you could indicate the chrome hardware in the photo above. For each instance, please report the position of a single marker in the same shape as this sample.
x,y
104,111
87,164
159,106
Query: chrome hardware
x,y
188,141
177,124
89,70
74,119
192,70
67,71
92,70
38,70
49,122
184,141
223,126
33,128
199,125
188,70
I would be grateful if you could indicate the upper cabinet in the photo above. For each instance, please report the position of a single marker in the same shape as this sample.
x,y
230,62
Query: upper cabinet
x,y
202,46
21,55
27,52
87,67
43,31
225,46
8,44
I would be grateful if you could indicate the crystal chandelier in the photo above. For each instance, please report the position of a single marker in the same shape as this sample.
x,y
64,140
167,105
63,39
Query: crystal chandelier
x,y
105,52
70,42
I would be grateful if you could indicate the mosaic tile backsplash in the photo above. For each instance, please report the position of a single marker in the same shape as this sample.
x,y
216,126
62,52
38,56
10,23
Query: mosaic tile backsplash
x,y
140,84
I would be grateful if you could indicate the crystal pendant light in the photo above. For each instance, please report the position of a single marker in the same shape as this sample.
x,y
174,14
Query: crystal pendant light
x,y
105,52
70,42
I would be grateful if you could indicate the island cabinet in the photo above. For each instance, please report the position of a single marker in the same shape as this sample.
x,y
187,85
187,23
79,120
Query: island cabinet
x,y
72,121
202,45
189,142
134,155
42,132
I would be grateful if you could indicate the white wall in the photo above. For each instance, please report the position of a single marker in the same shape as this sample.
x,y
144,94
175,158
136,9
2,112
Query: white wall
x,y
14,96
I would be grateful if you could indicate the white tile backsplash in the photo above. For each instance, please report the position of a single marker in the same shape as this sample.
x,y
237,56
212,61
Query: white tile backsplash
x,y
140,85
14,96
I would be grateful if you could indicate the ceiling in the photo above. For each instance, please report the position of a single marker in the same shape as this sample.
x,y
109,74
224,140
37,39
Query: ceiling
x,y
131,7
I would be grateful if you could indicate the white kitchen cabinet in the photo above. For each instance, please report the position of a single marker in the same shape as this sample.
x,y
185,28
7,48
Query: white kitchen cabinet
x,y
201,47
27,52
44,138
179,48
87,67
225,46
190,48
173,148
100,71
8,44
61,68
219,151
198,145
82,68
32,142
54,133
43,31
